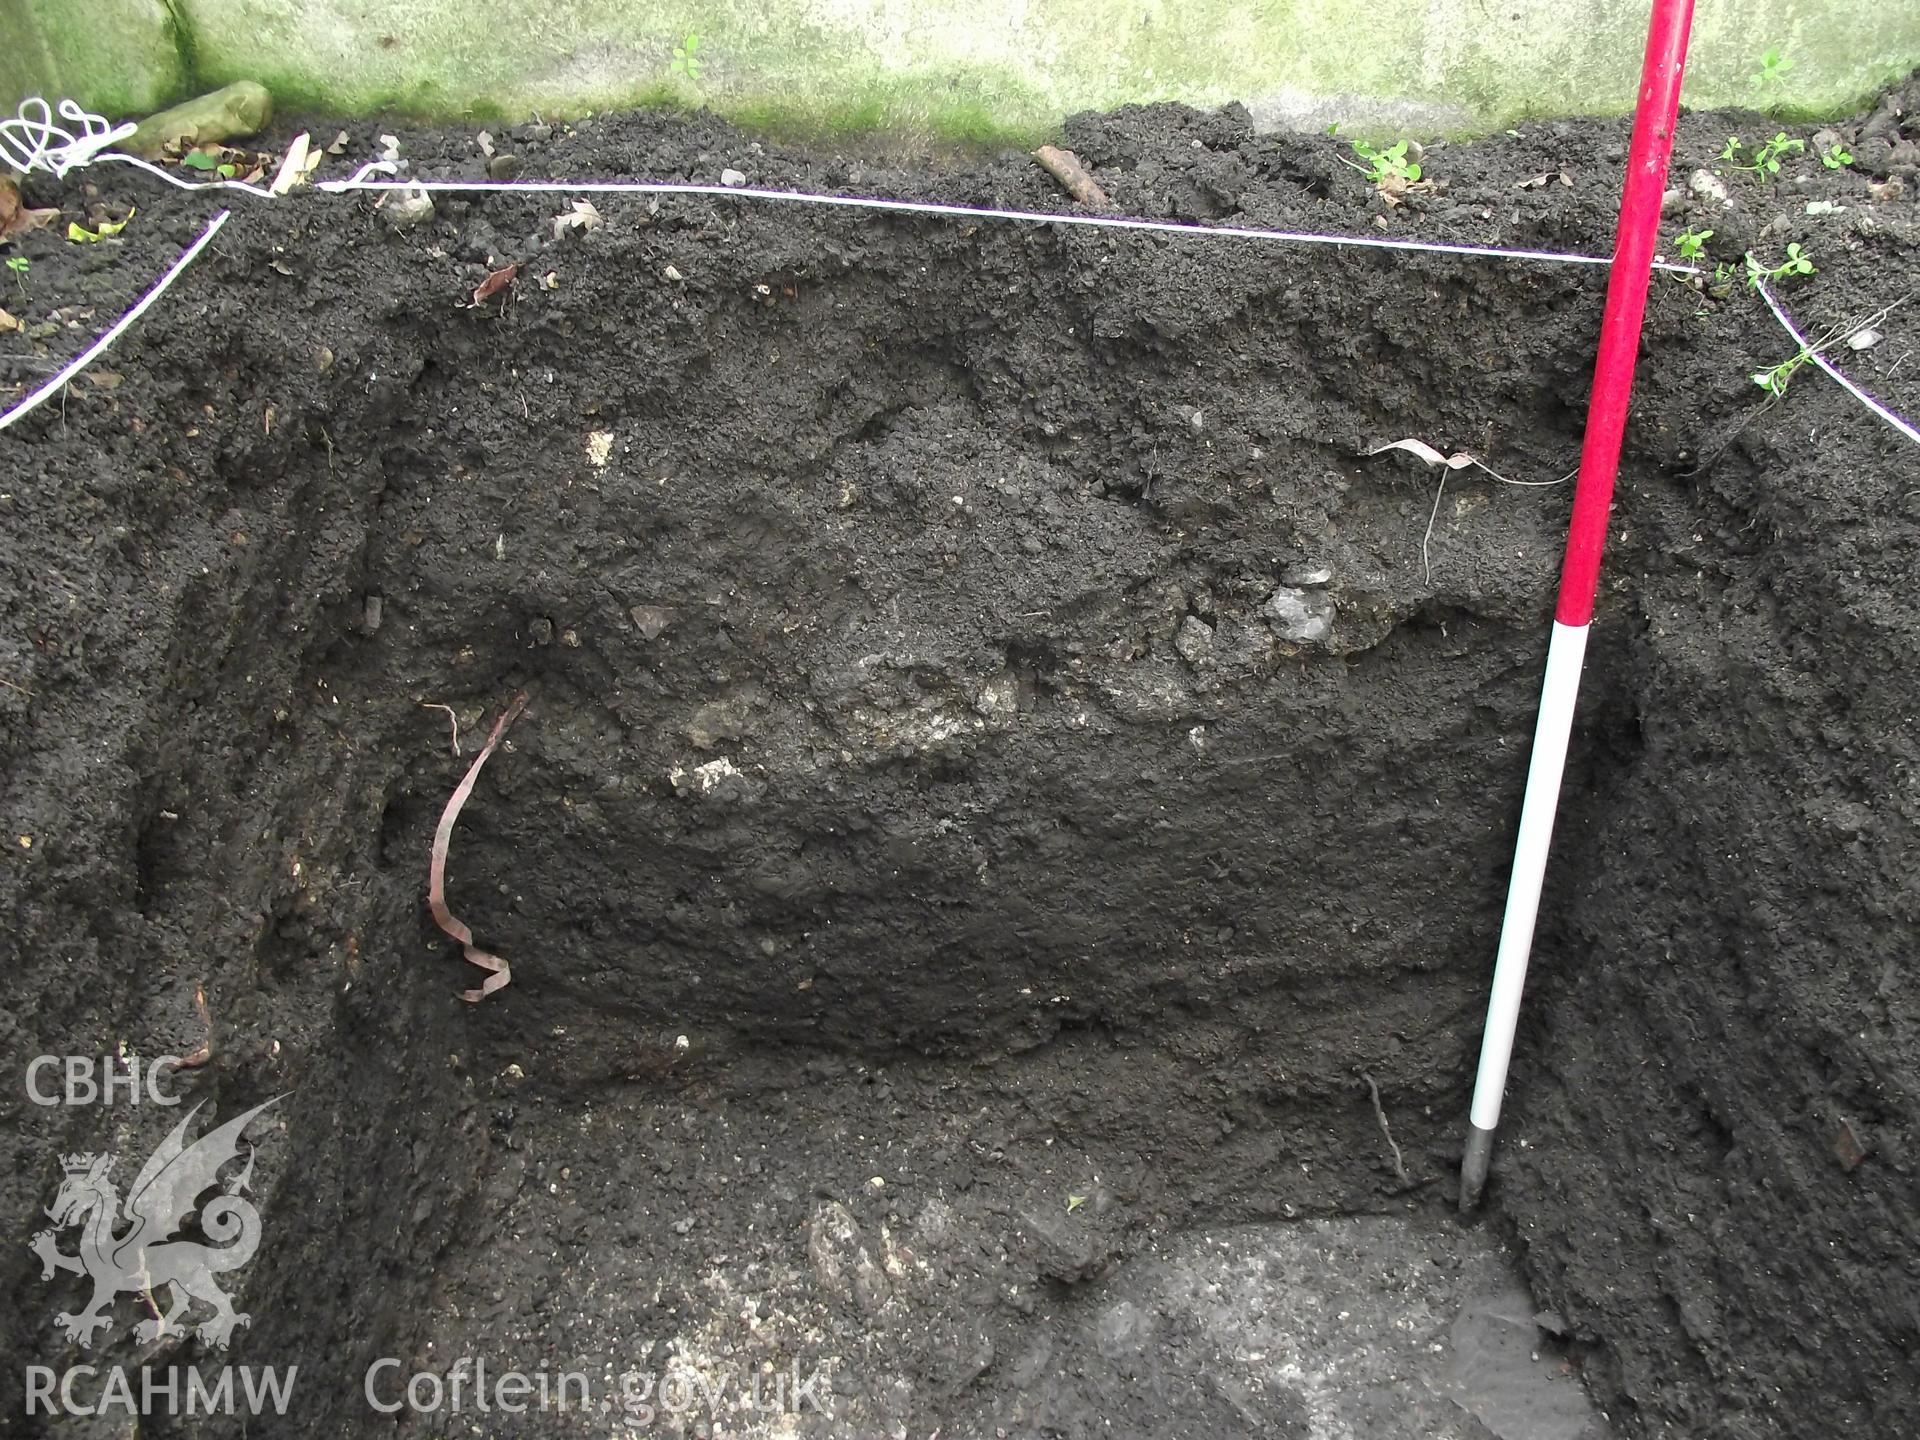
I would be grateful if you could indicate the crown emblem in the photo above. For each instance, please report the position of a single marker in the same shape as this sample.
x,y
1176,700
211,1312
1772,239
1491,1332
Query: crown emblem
x,y
78,1163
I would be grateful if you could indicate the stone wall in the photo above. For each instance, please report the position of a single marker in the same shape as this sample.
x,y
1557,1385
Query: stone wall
x,y
966,69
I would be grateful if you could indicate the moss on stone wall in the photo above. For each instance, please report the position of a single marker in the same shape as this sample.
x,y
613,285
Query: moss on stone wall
x,y
975,70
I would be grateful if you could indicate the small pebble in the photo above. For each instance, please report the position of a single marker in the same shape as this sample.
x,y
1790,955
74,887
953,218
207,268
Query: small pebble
x,y
1300,616
651,620
1195,640
1708,186
406,209
732,177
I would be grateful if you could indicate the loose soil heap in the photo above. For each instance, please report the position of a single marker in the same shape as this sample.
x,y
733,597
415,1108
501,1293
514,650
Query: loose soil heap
x,y
983,700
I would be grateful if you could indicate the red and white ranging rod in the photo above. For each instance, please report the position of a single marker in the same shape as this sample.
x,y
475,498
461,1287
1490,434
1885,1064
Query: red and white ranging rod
x,y
1634,243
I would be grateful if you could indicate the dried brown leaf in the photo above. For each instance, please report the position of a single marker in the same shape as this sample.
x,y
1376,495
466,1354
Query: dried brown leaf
x,y
494,284
15,217
581,217
1427,453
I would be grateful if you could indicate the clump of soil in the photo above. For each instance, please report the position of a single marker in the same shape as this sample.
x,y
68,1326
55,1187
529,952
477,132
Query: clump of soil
x,y
1003,773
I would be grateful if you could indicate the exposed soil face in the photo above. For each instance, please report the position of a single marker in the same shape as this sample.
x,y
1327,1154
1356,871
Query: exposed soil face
x,y
982,698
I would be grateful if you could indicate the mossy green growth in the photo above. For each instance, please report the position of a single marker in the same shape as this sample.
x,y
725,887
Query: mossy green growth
x,y
120,57
979,71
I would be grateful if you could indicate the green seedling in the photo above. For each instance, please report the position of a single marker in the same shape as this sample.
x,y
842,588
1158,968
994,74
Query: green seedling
x,y
686,58
1798,262
1384,167
18,264
1836,157
1772,74
1768,157
1775,381
1765,163
1692,243
203,161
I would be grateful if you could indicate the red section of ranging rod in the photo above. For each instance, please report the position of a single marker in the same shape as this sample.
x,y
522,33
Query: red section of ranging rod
x,y
1633,248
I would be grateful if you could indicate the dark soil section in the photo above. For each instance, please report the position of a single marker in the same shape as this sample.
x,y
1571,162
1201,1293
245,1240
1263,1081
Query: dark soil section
x,y
982,699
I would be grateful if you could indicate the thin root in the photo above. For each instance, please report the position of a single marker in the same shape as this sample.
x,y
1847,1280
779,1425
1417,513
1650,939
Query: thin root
x,y
1420,450
1074,177
1380,1114
195,1059
452,719
1426,540
499,976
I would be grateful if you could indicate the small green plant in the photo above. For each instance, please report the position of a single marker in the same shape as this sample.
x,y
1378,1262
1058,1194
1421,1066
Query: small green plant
x,y
1768,157
1798,262
19,264
1692,243
205,161
1765,163
1384,167
1772,74
1774,381
686,58
1836,157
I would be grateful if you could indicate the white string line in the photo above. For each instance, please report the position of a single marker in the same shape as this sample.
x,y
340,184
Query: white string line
x,y
359,181
120,326
33,138
179,184
1904,426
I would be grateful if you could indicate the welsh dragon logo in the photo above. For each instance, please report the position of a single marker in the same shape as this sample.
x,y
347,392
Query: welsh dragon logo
x,y
144,1258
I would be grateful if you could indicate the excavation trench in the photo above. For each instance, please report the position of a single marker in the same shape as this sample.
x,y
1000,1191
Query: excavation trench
x,y
1006,783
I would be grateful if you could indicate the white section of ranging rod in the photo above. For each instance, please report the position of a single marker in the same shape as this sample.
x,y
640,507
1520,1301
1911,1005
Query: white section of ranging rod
x,y
1559,691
